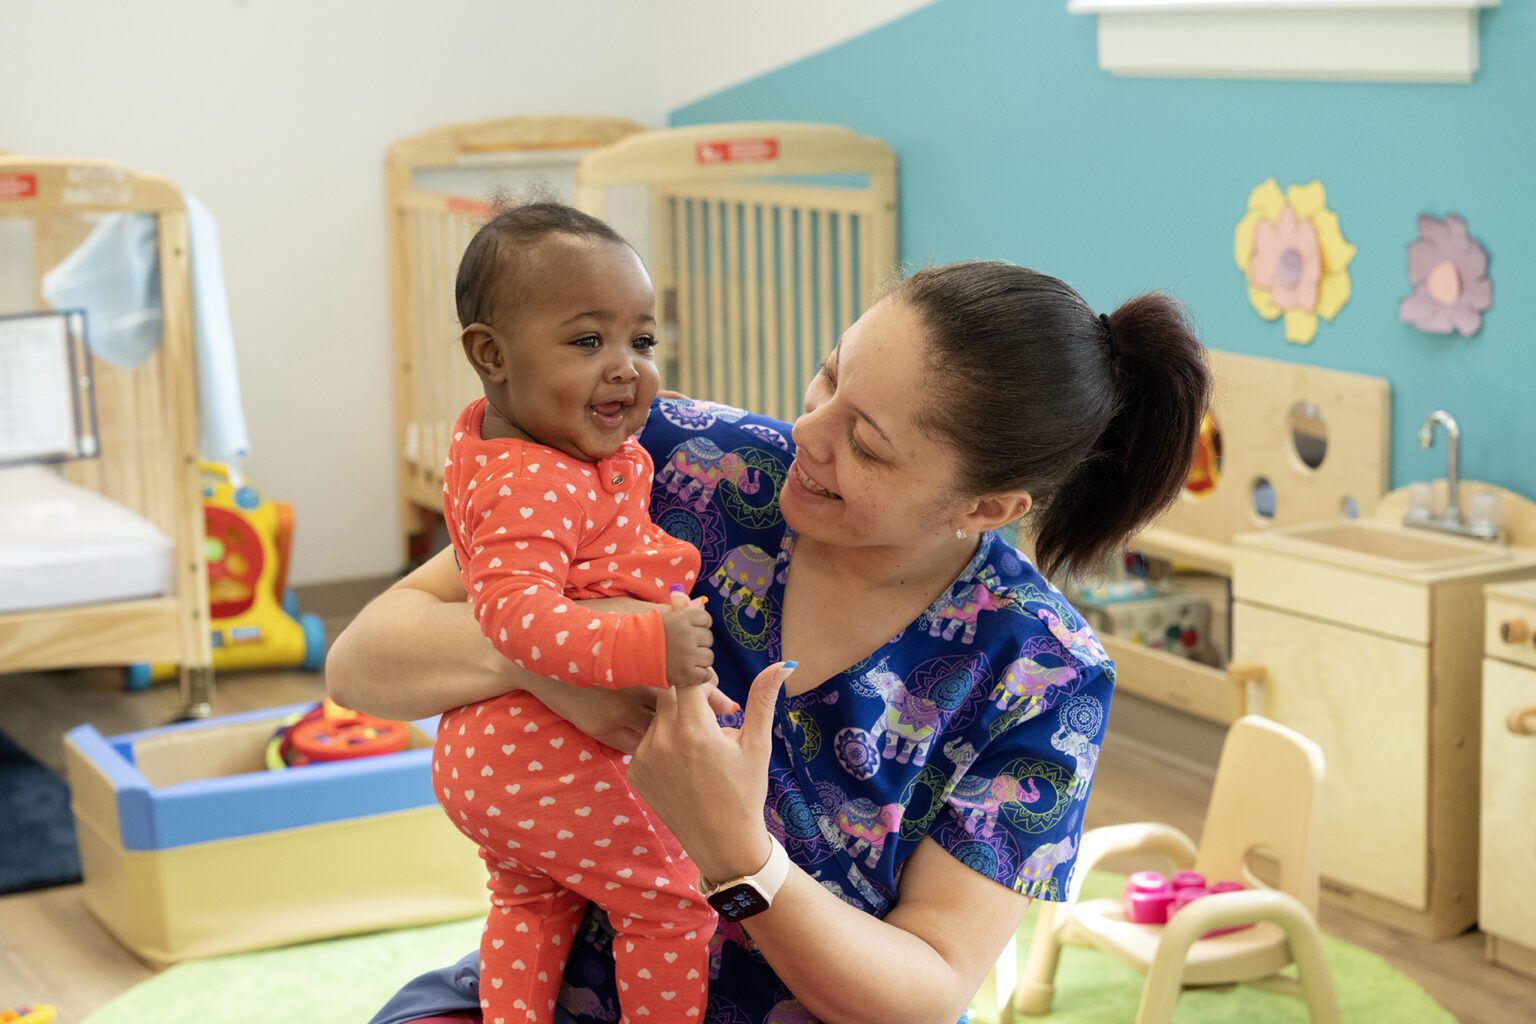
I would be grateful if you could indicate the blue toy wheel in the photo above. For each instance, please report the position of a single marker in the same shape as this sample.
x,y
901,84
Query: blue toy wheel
x,y
291,602
314,642
136,678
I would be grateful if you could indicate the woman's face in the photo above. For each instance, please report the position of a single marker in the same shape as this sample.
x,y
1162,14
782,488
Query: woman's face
x,y
865,473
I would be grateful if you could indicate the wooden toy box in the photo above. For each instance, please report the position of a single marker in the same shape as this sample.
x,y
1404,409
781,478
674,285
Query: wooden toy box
x,y
190,847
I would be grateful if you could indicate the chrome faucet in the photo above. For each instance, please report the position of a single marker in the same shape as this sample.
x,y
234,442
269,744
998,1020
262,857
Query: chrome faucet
x,y
1452,459
1452,521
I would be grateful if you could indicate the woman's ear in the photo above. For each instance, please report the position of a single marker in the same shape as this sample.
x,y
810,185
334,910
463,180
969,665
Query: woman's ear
x,y
484,353
991,511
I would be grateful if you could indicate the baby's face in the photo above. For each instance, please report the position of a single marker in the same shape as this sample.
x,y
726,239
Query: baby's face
x,y
578,347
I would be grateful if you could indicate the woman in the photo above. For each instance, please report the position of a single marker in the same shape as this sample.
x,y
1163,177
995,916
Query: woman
x,y
927,764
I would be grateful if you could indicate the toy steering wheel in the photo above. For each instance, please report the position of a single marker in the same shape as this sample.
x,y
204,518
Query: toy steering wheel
x,y
326,739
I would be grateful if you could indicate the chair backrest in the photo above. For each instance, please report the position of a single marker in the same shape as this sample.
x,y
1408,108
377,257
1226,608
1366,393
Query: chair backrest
x,y
1266,798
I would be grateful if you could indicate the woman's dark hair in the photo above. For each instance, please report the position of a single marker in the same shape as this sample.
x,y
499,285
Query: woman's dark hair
x,y
485,272
1096,416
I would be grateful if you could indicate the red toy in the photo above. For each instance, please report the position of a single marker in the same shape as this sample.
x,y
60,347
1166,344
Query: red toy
x,y
330,732
1152,899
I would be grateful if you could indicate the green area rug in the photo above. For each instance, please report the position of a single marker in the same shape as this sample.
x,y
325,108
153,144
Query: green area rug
x,y
344,981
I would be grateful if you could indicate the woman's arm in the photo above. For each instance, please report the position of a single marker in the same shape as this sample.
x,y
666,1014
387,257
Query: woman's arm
x,y
948,927
416,651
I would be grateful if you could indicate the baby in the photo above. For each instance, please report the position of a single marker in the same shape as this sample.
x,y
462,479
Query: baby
x,y
546,498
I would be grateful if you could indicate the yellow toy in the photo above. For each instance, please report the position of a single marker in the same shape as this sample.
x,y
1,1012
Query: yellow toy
x,y
254,618
43,1014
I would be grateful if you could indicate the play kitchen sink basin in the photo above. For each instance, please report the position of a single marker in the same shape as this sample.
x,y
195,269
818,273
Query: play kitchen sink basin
x,y
1383,547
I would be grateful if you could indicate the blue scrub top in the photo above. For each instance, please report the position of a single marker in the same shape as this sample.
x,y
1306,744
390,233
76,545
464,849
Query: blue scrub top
x,y
978,725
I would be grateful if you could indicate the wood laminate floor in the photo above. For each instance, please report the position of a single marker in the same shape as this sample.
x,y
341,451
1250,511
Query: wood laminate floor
x,y
52,950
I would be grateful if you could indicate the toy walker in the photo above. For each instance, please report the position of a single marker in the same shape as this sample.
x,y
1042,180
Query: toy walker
x,y
254,617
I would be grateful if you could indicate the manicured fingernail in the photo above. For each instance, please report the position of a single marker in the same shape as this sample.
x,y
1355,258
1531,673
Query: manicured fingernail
x,y
790,666
677,588
735,707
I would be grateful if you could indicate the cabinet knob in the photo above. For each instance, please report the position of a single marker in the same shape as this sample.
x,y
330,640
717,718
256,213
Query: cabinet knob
x,y
1522,721
1514,631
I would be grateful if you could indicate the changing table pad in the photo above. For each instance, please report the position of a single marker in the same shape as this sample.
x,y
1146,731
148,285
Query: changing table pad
x,y
61,544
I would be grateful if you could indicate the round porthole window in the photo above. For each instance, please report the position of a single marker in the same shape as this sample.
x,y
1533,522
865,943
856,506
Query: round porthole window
x,y
1309,434
1263,500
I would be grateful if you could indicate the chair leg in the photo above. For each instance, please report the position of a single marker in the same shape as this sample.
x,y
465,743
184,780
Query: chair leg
x,y
1037,988
1165,976
1311,966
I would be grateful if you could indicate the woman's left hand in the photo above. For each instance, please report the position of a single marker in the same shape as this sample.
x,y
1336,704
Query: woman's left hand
x,y
709,783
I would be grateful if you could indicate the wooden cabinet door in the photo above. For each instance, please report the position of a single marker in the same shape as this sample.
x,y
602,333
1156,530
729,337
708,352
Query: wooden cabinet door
x,y
1507,861
1364,699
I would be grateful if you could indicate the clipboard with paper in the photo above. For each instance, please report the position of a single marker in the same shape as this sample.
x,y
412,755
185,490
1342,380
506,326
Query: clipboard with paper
x,y
47,401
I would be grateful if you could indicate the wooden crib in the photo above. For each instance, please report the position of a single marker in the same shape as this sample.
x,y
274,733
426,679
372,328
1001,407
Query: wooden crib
x,y
146,425
764,240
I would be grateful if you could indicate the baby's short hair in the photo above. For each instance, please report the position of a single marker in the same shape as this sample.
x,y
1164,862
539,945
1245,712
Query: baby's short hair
x,y
492,252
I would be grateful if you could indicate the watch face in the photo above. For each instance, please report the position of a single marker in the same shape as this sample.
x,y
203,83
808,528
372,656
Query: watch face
x,y
738,901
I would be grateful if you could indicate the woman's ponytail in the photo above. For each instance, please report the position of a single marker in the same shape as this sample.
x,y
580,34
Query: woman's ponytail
x,y
1096,416
1141,460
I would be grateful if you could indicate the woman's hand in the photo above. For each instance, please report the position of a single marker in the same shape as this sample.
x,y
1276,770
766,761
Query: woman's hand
x,y
709,783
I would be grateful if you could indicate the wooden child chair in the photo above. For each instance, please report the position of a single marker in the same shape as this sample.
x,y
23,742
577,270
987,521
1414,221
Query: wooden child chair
x,y
1265,798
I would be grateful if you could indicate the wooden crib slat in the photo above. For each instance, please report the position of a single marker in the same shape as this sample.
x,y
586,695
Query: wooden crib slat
x,y
681,221
772,298
730,312
789,336
715,339
752,314
848,300
826,273
806,343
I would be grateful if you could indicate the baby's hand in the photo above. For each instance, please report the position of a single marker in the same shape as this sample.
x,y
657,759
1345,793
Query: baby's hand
x,y
690,644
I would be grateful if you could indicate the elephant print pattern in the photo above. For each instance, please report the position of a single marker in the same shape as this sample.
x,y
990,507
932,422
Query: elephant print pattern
x,y
976,727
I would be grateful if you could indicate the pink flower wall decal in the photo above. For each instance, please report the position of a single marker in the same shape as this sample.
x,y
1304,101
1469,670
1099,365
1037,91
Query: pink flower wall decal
x,y
1449,274
1296,259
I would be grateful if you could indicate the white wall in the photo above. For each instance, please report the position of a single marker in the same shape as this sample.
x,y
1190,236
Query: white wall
x,y
277,113
713,44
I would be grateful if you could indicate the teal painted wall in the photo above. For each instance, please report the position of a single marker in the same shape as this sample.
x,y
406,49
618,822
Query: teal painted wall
x,y
1014,145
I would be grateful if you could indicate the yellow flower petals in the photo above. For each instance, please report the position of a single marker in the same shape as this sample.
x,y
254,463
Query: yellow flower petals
x,y
1337,253
1262,303
1267,200
1332,292
1308,200
1300,327
1242,242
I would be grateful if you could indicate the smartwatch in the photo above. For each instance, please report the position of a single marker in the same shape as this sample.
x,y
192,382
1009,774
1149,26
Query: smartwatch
x,y
751,894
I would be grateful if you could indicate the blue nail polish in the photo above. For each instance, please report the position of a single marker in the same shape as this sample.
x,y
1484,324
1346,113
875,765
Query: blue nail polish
x,y
790,666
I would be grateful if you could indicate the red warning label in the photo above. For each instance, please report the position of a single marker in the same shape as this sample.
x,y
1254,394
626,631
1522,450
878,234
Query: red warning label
x,y
17,186
737,151
470,207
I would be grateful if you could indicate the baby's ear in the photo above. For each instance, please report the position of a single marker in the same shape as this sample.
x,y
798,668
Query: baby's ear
x,y
483,353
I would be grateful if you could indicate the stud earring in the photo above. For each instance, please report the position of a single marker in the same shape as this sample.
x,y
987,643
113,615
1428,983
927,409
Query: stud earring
x,y
960,534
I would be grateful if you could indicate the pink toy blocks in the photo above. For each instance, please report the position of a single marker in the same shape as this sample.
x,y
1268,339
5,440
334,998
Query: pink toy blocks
x,y
1152,899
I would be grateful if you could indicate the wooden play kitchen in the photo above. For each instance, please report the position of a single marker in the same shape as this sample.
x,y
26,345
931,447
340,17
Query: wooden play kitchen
x,y
1364,635
1507,860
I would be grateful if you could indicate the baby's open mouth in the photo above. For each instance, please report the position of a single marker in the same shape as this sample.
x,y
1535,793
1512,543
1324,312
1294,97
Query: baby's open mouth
x,y
609,414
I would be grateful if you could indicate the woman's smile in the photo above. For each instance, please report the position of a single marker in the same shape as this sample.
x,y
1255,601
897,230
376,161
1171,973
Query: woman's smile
x,y
806,482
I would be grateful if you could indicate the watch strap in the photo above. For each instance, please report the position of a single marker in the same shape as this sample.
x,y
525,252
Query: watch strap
x,y
767,880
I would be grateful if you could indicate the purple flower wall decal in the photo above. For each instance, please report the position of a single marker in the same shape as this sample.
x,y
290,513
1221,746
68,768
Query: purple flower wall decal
x,y
1449,274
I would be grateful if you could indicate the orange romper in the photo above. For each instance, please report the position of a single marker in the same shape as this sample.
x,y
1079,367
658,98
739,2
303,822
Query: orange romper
x,y
555,820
